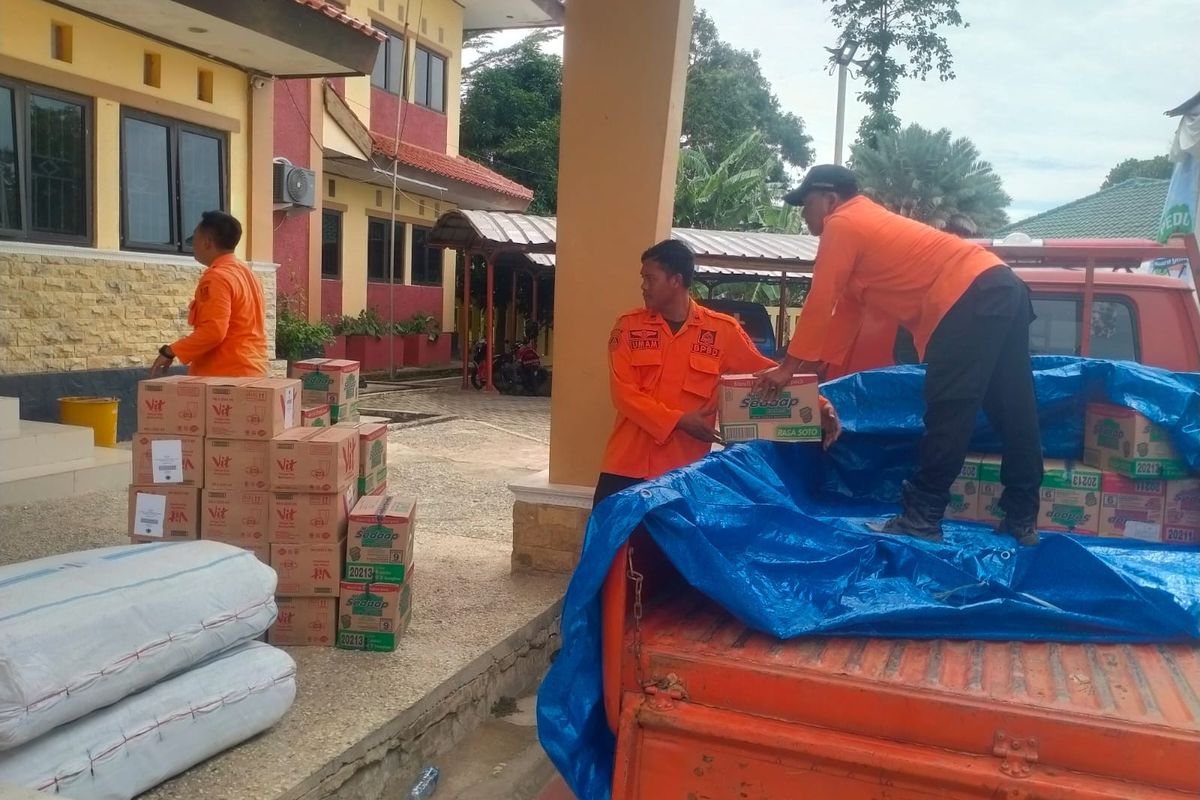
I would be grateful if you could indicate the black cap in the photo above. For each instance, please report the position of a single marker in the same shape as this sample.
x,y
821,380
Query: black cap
x,y
824,177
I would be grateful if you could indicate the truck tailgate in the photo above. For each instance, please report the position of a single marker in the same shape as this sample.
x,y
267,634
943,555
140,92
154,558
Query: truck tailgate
x,y
737,714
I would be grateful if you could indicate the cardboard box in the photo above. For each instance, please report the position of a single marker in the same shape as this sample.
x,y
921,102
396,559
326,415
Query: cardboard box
x,y
304,621
240,518
964,492
372,456
174,404
237,464
1118,439
315,417
172,516
259,410
314,459
308,570
1182,511
1070,498
347,412
989,487
1131,509
328,381
373,616
167,459
302,518
379,546
381,489
795,416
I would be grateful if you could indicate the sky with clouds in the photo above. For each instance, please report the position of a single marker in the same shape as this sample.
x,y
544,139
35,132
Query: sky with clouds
x,y
1054,93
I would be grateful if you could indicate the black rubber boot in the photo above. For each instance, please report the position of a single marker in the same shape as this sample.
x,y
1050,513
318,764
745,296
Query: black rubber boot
x,y
1025,533
921,518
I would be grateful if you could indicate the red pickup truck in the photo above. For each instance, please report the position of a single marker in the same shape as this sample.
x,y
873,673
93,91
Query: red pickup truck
x,y
707,709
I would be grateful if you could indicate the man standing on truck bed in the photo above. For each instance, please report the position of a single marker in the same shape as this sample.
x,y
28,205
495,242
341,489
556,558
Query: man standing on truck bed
x,y
969,315
227,316
665,366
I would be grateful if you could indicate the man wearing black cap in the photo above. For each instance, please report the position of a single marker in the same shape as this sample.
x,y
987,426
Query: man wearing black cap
x,y
969,315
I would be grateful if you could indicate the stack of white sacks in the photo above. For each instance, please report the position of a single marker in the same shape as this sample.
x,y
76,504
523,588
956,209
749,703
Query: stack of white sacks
x,y
123,666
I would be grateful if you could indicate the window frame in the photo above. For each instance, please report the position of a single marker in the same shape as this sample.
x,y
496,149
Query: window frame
x,y
341,234
429,55
22,122
386,49
428,251
1121,300
399,275
174,128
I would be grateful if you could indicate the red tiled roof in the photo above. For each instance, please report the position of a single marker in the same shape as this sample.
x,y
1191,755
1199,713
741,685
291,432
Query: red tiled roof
x,y
453,167
341,16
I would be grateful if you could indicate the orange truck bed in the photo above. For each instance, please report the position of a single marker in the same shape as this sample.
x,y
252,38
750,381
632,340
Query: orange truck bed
x,y
735,715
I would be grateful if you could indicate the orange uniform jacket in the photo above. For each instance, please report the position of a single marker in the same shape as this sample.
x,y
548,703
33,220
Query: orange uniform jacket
x,y
657,376
872,259
228,338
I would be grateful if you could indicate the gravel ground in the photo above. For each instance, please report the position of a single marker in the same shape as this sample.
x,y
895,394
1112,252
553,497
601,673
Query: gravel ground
x,y
458,470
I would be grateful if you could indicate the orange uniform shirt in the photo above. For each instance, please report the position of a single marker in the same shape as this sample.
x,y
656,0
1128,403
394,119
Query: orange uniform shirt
x,y
872,259
657,376
228,320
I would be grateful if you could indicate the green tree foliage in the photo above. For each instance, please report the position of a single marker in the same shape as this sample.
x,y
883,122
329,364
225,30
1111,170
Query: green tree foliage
x,y
511,108
1157,167
736,193
930,176
728,99
897,39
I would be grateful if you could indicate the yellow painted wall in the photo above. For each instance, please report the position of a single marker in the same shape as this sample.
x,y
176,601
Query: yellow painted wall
x,y
357,202
112,59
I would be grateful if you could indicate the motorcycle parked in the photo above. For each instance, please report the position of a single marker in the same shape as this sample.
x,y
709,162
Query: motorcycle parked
x,y
514,371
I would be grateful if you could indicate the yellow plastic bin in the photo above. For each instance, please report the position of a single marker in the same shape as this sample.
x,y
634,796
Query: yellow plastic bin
x,y
97,413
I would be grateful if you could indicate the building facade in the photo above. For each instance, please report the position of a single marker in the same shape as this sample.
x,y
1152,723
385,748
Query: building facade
x,y
383,152
119,124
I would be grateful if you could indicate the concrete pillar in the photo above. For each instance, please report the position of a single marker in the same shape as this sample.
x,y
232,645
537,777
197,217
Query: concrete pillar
x,y
260,226
624,70
619,150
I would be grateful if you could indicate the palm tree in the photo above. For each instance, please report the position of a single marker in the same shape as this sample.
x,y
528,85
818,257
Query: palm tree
x,y
930,176
734,195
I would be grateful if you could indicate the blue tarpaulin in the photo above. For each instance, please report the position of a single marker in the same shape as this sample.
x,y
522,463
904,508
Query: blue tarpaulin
x,y
775,534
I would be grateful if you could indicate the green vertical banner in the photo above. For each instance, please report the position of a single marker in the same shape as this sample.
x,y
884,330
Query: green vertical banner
x,y
1179,212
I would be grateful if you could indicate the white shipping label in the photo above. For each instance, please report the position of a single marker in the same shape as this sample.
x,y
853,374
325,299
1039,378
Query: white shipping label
x,y
166,456
1146,531
289,407
149,513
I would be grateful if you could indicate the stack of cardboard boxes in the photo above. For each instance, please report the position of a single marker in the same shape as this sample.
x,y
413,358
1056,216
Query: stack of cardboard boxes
x,y
376,595
1130,483
331,382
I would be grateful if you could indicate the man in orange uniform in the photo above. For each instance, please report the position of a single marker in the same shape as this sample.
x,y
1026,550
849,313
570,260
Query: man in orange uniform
x,y
969,315
665,366
227,316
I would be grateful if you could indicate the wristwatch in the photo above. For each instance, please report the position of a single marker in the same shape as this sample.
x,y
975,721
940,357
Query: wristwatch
x,y
166,352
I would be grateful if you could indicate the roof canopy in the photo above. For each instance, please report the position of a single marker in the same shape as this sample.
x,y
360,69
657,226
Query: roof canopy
x,y
496,232
284,38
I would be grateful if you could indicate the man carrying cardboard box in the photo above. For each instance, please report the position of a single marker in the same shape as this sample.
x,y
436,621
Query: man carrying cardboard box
x,y
969,315
227,316
665,365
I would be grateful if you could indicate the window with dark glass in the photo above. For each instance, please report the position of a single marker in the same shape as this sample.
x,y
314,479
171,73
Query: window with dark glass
x,y
430,90
331,244
378,242
45,171
426,260
1057,329
388,73
171,173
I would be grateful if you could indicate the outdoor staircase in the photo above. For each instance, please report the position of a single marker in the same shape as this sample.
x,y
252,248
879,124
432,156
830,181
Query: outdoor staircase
x,y
44,460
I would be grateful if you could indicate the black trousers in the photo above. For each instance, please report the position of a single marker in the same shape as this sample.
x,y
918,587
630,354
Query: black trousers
x,y
979,358
609,484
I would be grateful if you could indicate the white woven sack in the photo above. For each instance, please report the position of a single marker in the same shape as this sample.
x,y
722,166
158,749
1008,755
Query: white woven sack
x,y
80,631
119,752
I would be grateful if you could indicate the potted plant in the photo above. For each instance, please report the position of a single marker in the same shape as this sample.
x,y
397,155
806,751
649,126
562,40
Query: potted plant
x,y
297,339
423,341
365,338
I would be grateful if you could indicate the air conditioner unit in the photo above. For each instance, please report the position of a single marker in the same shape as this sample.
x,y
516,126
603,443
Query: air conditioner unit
x,y
295,187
